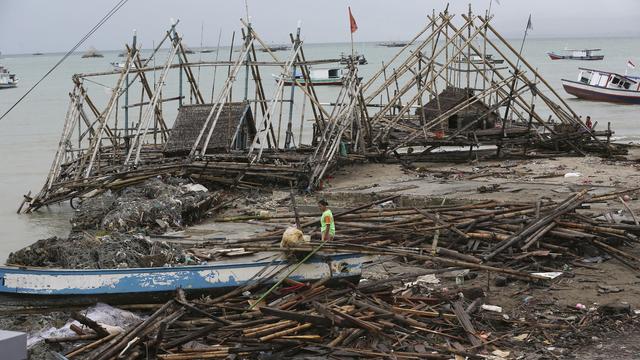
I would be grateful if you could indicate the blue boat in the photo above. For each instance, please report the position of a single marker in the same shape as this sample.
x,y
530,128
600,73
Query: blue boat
x,y
219,276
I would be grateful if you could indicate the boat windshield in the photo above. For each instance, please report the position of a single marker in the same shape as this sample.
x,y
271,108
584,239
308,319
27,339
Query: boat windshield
x,y
585,76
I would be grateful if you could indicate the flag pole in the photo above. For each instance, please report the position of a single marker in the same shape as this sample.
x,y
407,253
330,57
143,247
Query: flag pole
x,y
516,73
352,52
351,33
352,28
526,30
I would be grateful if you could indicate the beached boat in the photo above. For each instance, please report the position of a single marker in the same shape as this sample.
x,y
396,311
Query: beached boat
x,y
576,54
7,79
92,53
331,76
604,86
213,277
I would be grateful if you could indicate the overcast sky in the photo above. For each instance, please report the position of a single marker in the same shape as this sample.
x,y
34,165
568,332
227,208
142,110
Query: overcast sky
x,y
56,25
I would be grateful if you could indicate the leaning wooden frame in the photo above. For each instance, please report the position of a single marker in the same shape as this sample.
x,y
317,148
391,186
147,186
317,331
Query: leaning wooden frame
x,y
446,85
442,90
99,150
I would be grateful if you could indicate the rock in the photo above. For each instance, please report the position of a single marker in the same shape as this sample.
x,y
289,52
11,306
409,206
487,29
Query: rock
x,y
500,281
615,308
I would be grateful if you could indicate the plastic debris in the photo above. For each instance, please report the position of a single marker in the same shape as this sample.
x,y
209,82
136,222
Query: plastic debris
x,y
493,308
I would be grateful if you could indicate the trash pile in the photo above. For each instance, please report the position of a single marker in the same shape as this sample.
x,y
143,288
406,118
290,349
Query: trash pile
x,y
154,206
82,250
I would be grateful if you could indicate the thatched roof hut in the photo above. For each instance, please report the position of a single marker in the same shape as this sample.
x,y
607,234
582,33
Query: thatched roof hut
x,y
235,124
451,97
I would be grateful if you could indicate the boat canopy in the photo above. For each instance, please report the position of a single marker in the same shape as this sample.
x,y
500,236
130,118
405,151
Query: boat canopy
x,y
605,79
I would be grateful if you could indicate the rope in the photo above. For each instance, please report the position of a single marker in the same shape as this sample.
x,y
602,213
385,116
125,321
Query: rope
x,y
111,12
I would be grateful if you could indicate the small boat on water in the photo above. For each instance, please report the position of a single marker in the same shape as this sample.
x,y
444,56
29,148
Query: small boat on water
x,y
576,54
37,54
331,76
92,53
119,65
218,276
359,59
7,79
606,86
477,59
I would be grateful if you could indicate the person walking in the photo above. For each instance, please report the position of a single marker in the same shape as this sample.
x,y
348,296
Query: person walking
x,y
327,225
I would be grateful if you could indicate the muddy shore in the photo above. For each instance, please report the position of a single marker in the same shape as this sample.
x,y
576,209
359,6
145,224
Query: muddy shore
x,y
591,284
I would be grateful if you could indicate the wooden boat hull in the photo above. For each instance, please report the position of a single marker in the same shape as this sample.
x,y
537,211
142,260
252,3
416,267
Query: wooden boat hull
x,y
555,56
217,276
596,93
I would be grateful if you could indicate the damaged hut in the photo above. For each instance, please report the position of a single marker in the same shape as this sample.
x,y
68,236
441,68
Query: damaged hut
x,y
234,130
473,117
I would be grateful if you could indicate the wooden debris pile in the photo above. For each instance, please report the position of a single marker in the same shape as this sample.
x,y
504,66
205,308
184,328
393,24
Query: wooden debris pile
x,y
515,239
372,320
403,316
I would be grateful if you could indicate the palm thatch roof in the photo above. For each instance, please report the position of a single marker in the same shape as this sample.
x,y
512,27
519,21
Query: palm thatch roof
x,y
235,124
452,97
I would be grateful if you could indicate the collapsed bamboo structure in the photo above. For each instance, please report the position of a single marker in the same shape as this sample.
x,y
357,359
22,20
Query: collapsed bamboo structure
x,y
441,89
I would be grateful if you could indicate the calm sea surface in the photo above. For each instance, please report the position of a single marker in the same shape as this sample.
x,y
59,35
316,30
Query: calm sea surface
x,y
30,134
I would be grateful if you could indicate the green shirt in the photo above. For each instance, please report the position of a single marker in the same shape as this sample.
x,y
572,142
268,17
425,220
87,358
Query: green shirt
x,y
327,219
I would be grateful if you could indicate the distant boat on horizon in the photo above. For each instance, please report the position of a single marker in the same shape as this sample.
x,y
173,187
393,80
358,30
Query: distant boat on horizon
x,y
274,48
92,53
598,85
576,54
394,43
37,54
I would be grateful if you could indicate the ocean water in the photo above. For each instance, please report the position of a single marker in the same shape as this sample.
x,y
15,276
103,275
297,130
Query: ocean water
x,y
29,135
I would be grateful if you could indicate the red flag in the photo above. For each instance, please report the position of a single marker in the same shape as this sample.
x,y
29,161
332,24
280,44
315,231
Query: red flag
x,y
352,21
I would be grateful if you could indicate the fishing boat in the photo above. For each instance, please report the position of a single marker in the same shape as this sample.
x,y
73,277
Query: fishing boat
x,y
92,53
359,59
576,54
7,79
478,59
331,76
606,86
119,65
213,277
